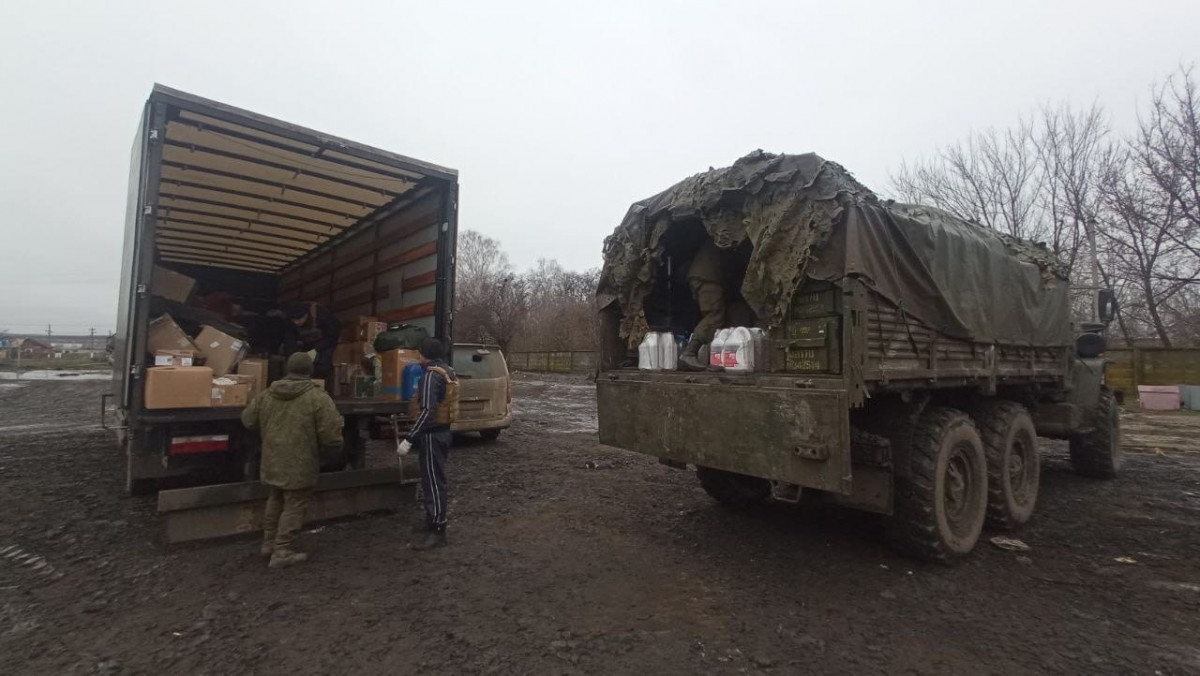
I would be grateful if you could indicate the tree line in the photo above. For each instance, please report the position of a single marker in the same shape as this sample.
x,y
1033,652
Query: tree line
x,y
1121,209
544,308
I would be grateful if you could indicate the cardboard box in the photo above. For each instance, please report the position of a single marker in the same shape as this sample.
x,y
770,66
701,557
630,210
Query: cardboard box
x,y
352,353
174,358
227,391
394,362
179,387
171,285
368,328
165,334
250,382
255,369
221,351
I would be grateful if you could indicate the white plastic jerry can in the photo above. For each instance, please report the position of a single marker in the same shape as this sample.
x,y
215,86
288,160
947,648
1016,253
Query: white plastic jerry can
x,y
739,350
668,351
645,357
716,350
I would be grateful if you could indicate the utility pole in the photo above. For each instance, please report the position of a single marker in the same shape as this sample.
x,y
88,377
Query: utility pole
x,y
91,339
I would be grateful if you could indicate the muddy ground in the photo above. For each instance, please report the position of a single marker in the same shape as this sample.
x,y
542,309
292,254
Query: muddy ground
x,y
556,567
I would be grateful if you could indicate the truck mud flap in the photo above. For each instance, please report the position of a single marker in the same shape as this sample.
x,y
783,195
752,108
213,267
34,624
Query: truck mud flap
x,y
798,436
206,512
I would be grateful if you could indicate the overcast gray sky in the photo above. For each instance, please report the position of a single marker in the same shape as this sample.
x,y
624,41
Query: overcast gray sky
x,y
557,115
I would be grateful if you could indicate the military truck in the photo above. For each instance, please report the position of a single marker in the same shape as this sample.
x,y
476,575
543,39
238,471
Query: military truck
x,y
914,358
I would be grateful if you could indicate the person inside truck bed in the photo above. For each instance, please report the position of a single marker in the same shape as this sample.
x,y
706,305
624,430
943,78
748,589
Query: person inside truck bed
x,y
311,327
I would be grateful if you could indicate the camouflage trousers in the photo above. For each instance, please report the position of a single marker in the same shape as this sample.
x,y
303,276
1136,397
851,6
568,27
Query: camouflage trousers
x,y
284,516
711,299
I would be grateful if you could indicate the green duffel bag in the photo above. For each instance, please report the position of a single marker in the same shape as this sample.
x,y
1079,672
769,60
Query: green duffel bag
x,y
400,337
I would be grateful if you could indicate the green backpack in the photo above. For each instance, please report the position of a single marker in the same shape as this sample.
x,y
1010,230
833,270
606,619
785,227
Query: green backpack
x,y
400,337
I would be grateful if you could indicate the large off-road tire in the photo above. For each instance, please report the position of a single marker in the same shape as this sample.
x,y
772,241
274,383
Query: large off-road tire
x,y
1097,452
1013,465
941,505
733,491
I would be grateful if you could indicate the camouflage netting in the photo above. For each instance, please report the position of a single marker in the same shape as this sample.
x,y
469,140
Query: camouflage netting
x,y
808,217
784,204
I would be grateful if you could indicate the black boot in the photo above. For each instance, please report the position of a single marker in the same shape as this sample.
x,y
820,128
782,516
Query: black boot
x,y
435,538
690,359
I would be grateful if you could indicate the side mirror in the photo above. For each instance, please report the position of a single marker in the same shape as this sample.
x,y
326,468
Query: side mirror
x,y
1106,309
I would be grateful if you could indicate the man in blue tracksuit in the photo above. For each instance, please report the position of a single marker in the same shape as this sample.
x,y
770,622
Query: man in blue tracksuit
x,y
435,407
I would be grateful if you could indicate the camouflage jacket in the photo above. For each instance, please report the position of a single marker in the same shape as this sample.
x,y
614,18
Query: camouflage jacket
x,y
295,419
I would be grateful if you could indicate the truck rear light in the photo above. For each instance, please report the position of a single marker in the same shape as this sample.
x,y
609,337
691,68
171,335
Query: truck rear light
x,y
202,444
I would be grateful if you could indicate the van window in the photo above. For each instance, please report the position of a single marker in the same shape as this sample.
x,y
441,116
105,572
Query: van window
x,y
474,362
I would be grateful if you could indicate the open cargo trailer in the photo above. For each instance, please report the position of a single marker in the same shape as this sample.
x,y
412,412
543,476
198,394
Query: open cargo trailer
x,y
913,357
273,212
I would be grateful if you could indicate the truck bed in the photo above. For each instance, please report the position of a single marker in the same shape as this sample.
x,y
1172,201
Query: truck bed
x,y
344,406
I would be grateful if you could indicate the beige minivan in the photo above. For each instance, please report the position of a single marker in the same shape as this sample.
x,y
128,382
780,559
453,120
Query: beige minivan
x,y
484,393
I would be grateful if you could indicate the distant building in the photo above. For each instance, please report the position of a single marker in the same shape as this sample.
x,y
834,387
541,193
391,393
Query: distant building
x,y
28,348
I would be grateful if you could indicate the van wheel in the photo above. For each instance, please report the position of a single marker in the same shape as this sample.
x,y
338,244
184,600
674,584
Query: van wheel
x,y
1097,452
940,507
490,435
1013,464
733,491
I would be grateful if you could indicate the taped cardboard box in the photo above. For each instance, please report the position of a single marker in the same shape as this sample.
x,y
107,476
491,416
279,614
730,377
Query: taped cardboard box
x,y
394,362
362,329
174,358
164,334
352,353
368,329
228,392
178,387
171,285
251,383
256,369
221,351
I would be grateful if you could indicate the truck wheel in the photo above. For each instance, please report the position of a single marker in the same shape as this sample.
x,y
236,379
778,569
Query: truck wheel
x,y
490,435
733,491
940,507
1013,464
1097,452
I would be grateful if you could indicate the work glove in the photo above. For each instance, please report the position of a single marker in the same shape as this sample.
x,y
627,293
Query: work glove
x,y
403,448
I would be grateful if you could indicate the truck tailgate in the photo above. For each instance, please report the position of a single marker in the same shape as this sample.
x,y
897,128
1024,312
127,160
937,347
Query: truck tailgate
x,y
801,436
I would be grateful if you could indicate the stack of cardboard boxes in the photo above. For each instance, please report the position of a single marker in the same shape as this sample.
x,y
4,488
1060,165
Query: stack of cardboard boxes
x,y
213,369
177,381
355,370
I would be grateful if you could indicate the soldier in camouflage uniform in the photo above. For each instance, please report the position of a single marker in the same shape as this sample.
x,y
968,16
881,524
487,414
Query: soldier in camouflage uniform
x,y
705,277
296,420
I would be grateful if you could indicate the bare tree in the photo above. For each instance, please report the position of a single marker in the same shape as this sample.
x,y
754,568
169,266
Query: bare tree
x,y
1075,154
491,299
993,178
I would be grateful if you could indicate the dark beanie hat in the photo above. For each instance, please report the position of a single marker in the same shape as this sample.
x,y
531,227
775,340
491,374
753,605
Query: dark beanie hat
x,y
432,348
300,364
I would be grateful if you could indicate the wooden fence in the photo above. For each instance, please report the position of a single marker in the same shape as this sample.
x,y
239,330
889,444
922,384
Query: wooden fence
x,y
1126,368
578,361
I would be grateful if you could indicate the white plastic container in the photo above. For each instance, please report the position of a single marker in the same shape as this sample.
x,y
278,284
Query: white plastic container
x,y
647,355
716,349
738,350
668,352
